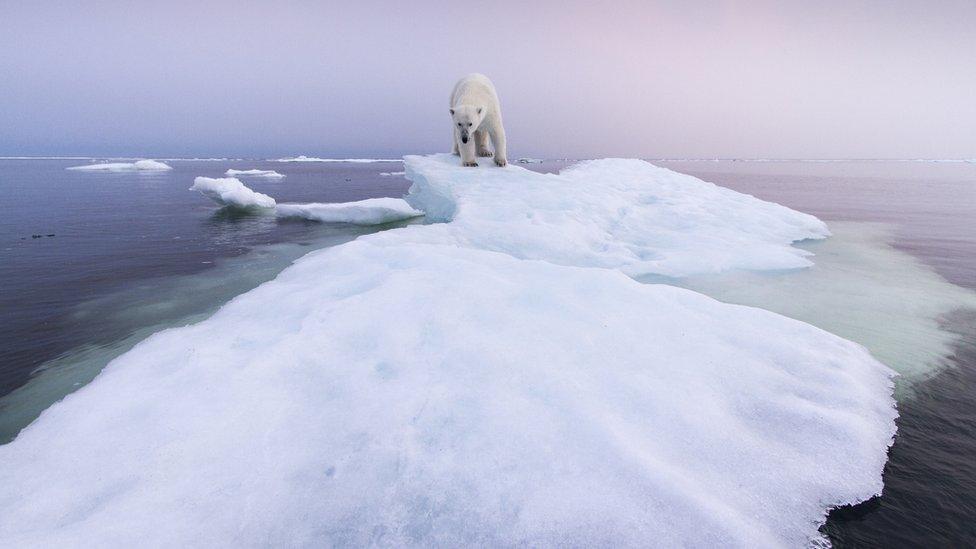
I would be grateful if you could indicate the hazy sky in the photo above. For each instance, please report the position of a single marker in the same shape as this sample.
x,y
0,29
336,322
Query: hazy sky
x,y
649,79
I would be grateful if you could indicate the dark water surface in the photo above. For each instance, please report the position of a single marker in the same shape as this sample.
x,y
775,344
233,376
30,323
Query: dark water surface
x,y
929,497
133,253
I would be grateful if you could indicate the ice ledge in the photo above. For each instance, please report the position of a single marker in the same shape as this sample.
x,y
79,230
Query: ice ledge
x,y
612,213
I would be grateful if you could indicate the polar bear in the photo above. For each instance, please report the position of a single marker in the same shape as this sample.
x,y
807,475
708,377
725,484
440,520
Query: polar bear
x,y
477,116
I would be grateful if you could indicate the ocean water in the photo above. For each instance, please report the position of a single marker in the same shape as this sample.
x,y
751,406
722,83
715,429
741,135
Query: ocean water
x,y
135,253
131,253
898,276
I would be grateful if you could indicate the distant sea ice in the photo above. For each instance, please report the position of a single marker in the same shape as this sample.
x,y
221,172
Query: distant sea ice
x,y
137,166
304,158
270,174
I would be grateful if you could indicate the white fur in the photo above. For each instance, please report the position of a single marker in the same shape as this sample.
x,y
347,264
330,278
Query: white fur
x,y
477,116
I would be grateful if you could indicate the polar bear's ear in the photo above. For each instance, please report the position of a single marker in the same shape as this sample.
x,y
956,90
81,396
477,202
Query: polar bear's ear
x,y
452,112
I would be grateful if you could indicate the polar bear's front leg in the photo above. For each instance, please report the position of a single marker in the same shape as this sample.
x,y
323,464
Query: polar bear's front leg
x,y
481,143
498,142
467,151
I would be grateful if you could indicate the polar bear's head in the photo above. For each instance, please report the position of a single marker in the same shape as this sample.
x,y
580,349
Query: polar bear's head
x,y
467,118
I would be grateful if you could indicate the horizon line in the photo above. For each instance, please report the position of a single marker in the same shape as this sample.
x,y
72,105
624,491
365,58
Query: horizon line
x,y
393,157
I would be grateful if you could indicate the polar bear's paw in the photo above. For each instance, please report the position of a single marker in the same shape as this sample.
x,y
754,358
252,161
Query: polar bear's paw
x,y
484,154
470,164
501,162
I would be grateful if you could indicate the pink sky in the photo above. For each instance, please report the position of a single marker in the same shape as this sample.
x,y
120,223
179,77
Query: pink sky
x,y
576,79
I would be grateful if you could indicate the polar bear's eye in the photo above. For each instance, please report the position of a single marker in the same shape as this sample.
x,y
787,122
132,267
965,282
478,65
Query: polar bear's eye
x,y
469,124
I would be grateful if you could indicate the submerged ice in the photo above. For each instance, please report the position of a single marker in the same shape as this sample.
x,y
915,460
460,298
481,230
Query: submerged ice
x,y
863,289
480,381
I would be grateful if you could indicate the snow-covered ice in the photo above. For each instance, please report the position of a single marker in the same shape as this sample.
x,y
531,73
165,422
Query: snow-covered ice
x,y
271,174
229,191
372,211
478,382
137,166
623,214
304,158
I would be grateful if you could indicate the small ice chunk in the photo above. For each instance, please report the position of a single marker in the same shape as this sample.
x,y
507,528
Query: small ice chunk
x,y
392,174
229,191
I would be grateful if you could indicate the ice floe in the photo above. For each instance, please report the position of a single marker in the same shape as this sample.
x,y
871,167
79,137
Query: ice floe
x,y
478,382
270,174
46,158
139,165
229,191
304,158
392,174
